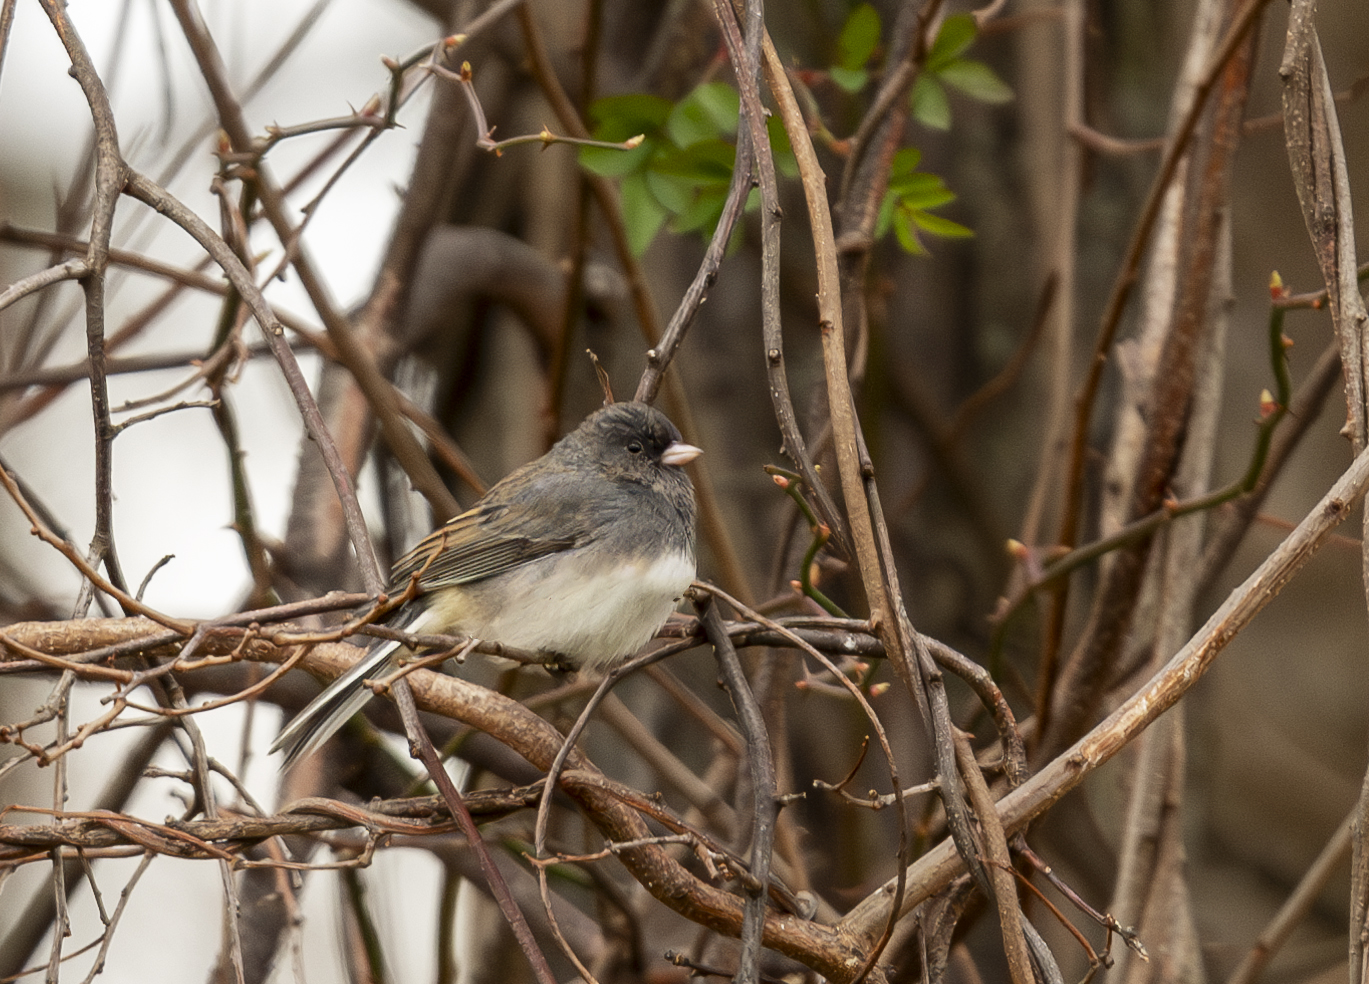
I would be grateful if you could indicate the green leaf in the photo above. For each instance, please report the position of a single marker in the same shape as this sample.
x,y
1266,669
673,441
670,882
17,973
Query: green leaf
x,y
976,80
611,163
616,118
706,163
620,117
922,191
710,111
905,161
850,80
938,226
904,209
907,235
674,192
885,219
723,104
688,124
859,38
700,215
957,33
642,213
929,103
916,183
928,199
785,163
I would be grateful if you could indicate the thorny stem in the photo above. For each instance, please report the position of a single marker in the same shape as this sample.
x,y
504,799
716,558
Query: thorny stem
x,y
1272,412
378,391
789,482
938,867
272,330
485,133
110,176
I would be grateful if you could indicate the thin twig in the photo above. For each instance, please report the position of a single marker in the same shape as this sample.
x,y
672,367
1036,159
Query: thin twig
x,y
110,176
713,531
157,197
69,270
762,768
422,748
935,870
1297,906
753,148
373,384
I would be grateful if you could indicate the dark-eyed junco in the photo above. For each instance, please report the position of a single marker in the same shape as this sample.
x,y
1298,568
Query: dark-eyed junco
x,y
583,553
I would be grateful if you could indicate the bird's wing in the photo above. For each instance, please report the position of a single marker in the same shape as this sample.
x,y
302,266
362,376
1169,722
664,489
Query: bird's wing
x,y
488,540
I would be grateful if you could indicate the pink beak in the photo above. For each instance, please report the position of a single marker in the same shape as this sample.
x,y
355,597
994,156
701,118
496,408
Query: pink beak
x,y
680,453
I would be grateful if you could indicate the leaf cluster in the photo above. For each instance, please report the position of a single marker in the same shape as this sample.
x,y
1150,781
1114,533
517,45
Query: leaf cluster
x,y
681,170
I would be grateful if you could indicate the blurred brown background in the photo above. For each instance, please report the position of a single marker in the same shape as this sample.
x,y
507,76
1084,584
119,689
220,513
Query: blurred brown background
x,y
1276,741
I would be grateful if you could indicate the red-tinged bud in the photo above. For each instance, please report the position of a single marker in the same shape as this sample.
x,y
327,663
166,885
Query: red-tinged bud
x,y
223,143
453,40
632,143
372,106
797,585
878,689
781,481
1277,291
466,74
1017,550
1285,341
1267,404
389,63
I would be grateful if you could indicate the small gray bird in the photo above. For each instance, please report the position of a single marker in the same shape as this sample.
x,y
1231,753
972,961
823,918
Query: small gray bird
x,y
583,553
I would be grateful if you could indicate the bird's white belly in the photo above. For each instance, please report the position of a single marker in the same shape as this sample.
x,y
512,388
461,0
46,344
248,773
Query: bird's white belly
x,y
601,618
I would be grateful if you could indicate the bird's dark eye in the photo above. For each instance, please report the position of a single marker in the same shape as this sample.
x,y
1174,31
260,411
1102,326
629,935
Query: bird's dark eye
x,y
635,447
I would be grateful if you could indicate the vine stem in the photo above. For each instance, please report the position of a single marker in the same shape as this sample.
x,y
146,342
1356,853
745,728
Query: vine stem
x,y
939,866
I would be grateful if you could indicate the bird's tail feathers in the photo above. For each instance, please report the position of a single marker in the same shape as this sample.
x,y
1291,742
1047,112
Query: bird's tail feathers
x,y
331,709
